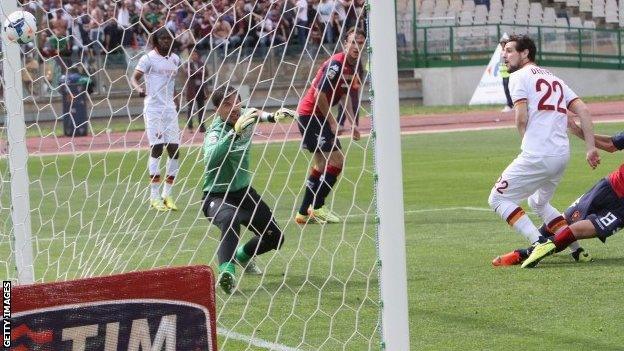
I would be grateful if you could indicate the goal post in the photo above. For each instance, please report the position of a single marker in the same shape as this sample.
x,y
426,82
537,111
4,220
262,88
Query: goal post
x,y
389,183
17,154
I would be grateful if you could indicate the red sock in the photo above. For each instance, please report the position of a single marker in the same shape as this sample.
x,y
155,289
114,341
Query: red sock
x,y
564,238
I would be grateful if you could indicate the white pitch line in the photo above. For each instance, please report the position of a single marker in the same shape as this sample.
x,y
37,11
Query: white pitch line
x,y
254,341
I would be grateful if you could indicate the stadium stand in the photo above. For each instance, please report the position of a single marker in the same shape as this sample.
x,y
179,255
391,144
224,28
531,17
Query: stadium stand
x,y
557,13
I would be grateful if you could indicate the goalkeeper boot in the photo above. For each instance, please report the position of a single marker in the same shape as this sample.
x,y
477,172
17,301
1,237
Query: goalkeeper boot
x,y
227,282
247,262
582,256
324,214
310,218
158,205
252,268
539,252
168,202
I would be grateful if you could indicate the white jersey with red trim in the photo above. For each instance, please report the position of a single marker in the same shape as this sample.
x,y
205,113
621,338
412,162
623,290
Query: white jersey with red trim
x,y
547,98
159,74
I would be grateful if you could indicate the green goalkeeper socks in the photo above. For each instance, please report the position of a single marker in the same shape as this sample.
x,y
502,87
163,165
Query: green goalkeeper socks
x,y
241,256
227,267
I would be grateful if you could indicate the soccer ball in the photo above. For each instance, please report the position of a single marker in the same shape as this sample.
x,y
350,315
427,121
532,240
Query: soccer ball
x,y
20,27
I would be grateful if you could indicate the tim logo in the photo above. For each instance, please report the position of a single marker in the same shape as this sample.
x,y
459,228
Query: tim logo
x,y
132,325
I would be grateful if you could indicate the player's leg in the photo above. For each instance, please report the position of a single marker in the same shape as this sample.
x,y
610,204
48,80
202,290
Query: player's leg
x,y
171,137
226,217
598,213
201,107
578,210
332,170
518,181
310,129
330,160
190,112
154,131
268,236
540,204
173,165
154,173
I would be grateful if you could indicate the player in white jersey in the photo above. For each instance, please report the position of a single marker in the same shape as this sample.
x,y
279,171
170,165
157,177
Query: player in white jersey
x,y
159,67
541,102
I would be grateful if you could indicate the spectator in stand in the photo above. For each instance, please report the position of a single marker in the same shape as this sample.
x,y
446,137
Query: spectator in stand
x,y
203,29
185,38
351,16
78,30
341,13
151,17
360,14
302,21
265,29
60,45
325,15
282,29
220,34
113,36
240,30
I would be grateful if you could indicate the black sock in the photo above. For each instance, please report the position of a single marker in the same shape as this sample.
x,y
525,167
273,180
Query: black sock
x,y
311,188
329,180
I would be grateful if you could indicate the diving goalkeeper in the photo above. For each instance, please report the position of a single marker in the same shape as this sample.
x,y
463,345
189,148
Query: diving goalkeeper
x,y
229,199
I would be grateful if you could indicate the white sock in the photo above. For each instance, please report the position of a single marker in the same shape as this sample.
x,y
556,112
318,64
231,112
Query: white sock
x,y
172,171
154,190
524,226
152,165
517,218
154,173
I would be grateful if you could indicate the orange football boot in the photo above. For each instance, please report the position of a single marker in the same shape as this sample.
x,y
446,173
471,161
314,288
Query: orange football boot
x,y
511,259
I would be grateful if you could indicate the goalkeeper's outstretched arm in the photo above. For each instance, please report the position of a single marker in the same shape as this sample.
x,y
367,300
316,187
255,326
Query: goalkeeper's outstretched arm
x,y
283,114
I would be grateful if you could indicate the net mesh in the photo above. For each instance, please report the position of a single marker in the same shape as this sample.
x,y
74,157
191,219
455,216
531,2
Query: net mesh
x,y
89,194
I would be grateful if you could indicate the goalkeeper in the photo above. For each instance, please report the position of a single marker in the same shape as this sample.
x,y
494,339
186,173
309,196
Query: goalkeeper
x,y
229,199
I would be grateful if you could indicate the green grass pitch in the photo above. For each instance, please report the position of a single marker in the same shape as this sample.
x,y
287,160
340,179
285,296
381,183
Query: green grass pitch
x,y
90,217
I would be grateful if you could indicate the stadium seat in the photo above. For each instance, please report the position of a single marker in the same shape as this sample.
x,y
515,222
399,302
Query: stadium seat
x,y
598,8
585,5
481,14
549,18
455,5
575,22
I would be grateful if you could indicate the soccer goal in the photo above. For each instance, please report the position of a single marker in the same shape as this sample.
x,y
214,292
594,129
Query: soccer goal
x,y
79,173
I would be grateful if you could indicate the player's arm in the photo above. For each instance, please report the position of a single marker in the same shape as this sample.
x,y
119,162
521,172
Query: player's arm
x,y
351,113
322,104
519,96
137,76
578,107
252,115
522,116
603,142
325,88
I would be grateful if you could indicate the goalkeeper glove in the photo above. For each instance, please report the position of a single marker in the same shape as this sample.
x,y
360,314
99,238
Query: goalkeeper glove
x,y
284,114
248,118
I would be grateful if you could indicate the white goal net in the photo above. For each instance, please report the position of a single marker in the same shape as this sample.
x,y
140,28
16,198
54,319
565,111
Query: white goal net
x,y
88,155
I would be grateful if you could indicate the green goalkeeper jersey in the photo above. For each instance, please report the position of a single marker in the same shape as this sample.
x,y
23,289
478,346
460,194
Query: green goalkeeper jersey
x,y
226,157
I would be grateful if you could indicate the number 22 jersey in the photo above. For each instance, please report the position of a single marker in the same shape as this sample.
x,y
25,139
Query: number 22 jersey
x,y
548,99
